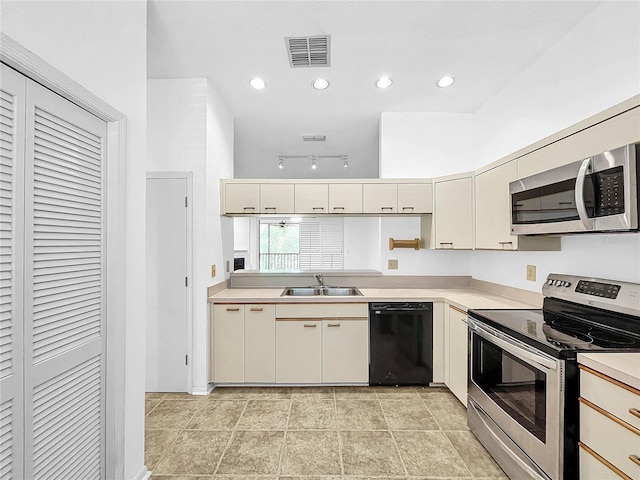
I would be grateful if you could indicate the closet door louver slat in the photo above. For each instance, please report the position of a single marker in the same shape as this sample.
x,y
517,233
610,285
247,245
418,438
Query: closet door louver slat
x,y
12,121
64,290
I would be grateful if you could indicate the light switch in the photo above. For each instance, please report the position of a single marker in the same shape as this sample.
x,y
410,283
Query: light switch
x,y
213,270
393,264
531,273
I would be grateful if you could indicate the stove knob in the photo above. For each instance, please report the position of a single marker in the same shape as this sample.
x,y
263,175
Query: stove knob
x,y
566,284
550,281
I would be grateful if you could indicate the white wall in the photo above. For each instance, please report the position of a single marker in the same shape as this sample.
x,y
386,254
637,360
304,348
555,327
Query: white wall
x,y
361,243
102,46
190,128
595,66
425,144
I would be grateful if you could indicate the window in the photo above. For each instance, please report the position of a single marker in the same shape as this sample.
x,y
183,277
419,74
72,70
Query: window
x,y
307,244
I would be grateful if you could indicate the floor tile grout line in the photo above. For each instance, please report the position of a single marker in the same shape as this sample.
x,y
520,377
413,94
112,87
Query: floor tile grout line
x,y
393,438
284,439
231,437
338,437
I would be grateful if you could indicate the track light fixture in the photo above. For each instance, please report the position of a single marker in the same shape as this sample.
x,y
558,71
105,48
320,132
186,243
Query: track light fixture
x,y
314,159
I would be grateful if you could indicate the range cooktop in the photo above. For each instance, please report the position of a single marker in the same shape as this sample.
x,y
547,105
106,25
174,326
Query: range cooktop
x,y
578,314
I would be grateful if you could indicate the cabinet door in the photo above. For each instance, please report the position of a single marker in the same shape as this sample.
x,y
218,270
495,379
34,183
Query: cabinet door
x,y
276,198
228,343
614,132
311,198
380,198
242,198
345,350
458,354
415,198
345,198
493,208
453,214
299,351
260,343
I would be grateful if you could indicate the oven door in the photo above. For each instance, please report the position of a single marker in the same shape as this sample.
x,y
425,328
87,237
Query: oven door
x,y
519,389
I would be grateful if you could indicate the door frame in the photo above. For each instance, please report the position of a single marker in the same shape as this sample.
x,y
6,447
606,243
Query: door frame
x,y
188,177
30,65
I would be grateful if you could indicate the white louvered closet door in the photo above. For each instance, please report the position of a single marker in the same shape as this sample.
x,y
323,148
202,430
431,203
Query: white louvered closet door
x,y
58,271
12,121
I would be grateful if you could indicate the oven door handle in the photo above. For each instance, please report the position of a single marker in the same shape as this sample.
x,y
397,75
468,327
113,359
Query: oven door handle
x,y
518,351
579,195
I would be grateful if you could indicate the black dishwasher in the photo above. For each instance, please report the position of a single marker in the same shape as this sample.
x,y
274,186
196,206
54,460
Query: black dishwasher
x,y
401,343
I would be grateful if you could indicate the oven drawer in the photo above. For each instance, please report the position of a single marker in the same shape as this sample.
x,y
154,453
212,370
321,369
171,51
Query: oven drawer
x,y
616,398
615,441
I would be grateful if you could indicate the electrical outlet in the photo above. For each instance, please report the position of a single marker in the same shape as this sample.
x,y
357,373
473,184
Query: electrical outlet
x,y
531,273
393,265
213,270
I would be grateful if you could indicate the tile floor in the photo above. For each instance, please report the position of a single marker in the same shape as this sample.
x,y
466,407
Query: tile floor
x,y
313,433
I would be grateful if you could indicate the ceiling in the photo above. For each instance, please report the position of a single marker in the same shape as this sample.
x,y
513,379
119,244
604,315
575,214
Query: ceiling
x,y
484,44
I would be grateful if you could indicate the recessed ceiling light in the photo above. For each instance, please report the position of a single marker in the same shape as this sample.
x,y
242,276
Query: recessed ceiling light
x,y
384,82
320,83
257,83
446,81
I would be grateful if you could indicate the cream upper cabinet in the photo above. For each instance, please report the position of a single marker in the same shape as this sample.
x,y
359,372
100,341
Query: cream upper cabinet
x,y
311,198
415,198
380,198
614,132
493,208
453,214
345,198
242,198
276,198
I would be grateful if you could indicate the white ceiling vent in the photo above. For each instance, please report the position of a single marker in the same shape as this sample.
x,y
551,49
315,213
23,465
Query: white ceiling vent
x,y
314,138
308,51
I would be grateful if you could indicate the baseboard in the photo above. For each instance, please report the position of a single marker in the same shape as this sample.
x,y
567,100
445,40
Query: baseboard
x,y
202,390
143,474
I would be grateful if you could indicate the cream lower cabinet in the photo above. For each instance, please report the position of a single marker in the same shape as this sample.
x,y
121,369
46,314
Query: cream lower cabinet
x,y
345,350
458,353
609,428
259,343
322,343
227,359
299,351
453,217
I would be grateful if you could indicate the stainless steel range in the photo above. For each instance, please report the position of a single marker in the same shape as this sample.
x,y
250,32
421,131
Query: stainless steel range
x,y
523,374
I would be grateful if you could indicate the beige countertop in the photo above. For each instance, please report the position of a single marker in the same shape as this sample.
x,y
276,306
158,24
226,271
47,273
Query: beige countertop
x,y
465,298
624,367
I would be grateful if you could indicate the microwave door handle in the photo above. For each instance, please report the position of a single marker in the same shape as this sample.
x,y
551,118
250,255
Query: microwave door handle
x,y
579,194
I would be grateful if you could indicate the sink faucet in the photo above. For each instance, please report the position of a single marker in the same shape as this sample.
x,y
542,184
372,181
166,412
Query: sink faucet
x,y
319,279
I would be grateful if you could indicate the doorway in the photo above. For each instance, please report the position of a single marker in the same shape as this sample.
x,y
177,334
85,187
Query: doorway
x,y
168,282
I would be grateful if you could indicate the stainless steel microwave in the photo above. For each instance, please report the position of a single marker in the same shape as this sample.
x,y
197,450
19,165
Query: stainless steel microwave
x,y
597,194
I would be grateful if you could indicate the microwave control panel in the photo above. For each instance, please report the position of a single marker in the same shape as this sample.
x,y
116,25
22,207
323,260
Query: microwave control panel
x,y
609,191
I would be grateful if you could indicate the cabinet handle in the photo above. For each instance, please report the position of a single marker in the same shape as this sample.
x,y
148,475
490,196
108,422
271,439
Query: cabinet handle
x,y
635,459
505,243
270,208
309,325
248,208
408,208
635,412
338,208
318,208
233,309
333,325
256,309
386,208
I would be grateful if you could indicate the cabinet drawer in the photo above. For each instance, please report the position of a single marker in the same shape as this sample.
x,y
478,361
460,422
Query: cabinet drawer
x,y
322,310
593,469
609,439
623,402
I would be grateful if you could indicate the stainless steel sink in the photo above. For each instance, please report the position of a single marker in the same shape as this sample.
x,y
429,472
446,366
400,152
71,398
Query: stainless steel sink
x,y
314,291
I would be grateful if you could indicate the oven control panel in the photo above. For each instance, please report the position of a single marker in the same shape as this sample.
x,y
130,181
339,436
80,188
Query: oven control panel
x,y
623,297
